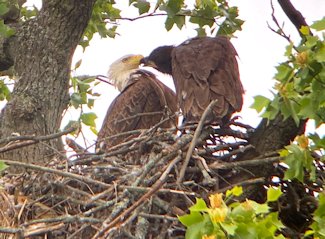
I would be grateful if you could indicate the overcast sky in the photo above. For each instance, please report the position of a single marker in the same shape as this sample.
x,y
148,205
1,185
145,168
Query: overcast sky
x,y
259,49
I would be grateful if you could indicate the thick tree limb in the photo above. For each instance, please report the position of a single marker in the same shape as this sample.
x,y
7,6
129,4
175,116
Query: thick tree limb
x,y
294,15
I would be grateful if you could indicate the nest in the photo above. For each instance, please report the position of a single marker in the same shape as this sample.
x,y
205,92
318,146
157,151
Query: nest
x,y
134,190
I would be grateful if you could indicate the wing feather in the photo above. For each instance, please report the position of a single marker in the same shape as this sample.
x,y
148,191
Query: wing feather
x,y
205,69
144,94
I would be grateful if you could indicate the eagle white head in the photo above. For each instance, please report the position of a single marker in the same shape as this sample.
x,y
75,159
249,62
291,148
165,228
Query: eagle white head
x,y
120,70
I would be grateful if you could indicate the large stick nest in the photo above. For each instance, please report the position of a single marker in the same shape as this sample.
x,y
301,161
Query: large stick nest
x,y
135,190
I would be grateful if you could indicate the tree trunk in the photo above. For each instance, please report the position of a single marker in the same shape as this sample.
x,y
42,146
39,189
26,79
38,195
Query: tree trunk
x,y
42,50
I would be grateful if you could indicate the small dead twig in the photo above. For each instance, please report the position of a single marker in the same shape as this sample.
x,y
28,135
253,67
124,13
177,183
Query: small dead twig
x,y
55,171
29,140
194,141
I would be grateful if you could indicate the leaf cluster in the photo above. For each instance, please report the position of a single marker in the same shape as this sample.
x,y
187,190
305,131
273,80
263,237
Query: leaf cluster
x,y
103,10
217,16
248,219
5,31
300,81
81,96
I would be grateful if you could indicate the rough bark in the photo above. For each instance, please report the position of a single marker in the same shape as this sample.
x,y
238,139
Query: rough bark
x,y
41,52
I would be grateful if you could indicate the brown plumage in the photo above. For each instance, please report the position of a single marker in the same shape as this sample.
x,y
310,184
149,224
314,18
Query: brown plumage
x,y
203,69
141,92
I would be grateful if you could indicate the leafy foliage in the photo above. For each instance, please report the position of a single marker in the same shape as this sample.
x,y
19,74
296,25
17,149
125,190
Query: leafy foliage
x,y
103,11
236,220
216,16
4,91
83,95
317,228
300,81
5,31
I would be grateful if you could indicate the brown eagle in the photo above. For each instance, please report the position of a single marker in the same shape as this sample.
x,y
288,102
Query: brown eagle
x,y
203,69
143,102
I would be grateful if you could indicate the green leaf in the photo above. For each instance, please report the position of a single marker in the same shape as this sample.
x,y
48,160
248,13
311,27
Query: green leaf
x,y
235,191
91,103
6,31
190,219
3,166
88,119
5,93
198,230
260,102
320,54
169,23
273,194
295,161
319,25
78,64
304,30
73,124
229,228
142,5
199,206
77,99
3,8
172,7
259,208
284,72
289,48
180,21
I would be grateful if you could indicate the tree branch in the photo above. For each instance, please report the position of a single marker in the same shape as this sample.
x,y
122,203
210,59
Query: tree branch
x,y
294,15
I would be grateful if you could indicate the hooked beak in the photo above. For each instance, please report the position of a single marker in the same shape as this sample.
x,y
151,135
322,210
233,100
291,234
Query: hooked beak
x,y
146,62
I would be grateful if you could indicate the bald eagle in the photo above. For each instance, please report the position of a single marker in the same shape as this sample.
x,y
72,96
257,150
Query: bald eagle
x,y
141,92
203,69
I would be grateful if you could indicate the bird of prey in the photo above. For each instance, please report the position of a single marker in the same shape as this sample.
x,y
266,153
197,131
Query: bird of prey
x,y
203,69
142,103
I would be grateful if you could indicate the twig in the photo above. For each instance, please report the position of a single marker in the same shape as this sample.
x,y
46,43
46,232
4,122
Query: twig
x,y
194,141
246,163
65,219
244,183
11,230
124,216
55,171
161,217
30,139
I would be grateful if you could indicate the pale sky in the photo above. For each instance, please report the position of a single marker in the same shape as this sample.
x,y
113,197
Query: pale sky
x,y
259,49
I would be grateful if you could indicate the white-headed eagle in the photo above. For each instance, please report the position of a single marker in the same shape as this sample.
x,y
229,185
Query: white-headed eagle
x,y
203,69
142,103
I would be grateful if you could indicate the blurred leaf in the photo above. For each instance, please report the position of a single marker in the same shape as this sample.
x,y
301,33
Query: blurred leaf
x,y
88,119
273,194
77,65
3,166
260,102
3,8
235,191
172,7
304,30
76,100
142,5
319,25
91,103
200,205
190,219
73,124
6,31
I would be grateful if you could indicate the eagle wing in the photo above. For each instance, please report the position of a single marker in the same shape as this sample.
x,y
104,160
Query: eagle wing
x,y
205,69
142,95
